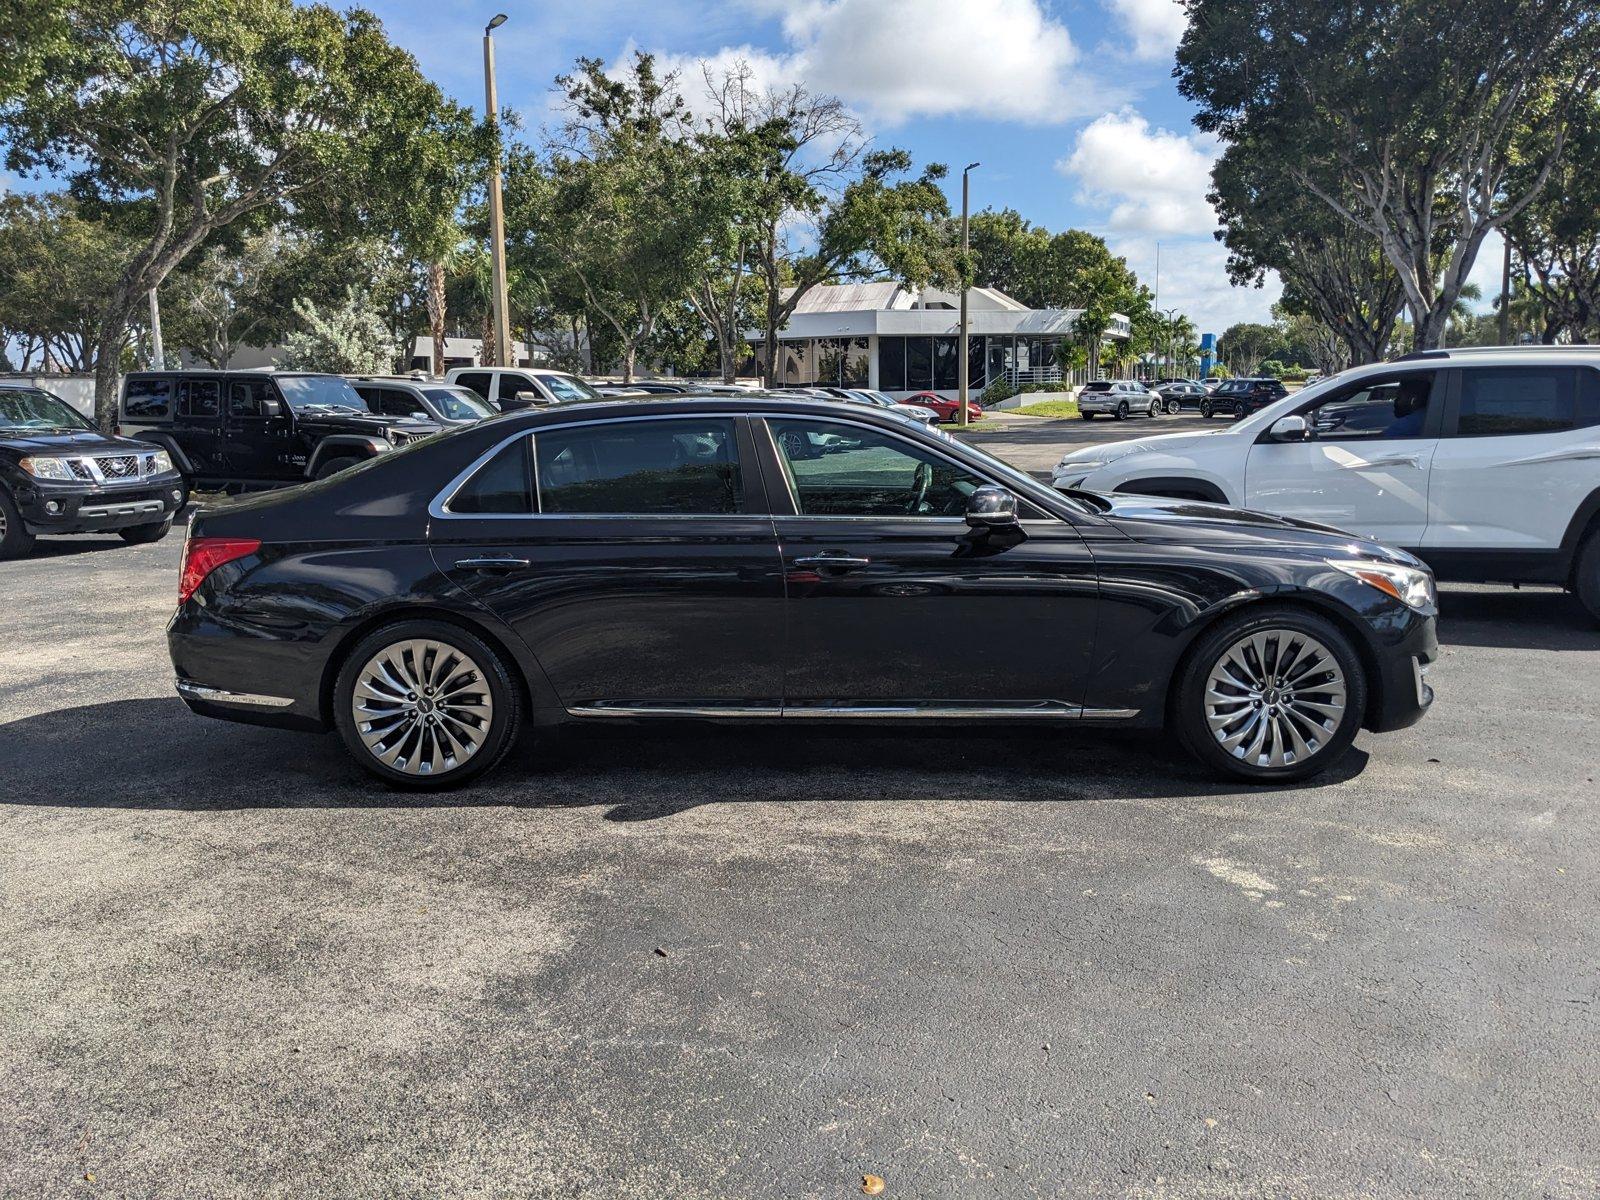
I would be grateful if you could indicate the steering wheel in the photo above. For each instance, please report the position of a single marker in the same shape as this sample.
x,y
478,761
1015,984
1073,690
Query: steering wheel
x,y
921,481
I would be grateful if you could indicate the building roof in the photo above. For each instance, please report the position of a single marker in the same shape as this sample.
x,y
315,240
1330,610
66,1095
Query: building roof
x,y
848,297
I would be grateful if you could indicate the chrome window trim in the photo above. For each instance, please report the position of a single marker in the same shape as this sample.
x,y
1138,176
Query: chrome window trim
x,y
439,506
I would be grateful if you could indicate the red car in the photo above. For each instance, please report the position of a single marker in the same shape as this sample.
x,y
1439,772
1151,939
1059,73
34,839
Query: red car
x,y
945,408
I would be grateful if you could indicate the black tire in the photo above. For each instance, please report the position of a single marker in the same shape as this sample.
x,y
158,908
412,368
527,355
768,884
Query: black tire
x,y
1155,409
497,736
1087,416
1585,575
1174,407
15,541
140,535
1205,411
1286,631
1122,411
1240,412
333,466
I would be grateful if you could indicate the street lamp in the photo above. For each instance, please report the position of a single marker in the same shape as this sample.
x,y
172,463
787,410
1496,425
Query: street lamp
x,y
1171,315
497,217
962,355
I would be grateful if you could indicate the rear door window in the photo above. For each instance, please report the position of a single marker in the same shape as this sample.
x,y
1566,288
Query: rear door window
x,y
148,400
478,381
688,467
1504,401
202,399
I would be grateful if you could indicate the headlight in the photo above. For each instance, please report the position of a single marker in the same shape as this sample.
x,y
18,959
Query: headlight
x,y
160,462
1081,464
1411,586
46,468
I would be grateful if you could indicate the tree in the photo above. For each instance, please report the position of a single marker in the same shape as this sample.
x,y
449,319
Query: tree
x,y
177,121
348,338
1243,346
1416,107
1330,269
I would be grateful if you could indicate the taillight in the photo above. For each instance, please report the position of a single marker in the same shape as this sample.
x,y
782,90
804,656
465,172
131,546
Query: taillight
x,y
203,555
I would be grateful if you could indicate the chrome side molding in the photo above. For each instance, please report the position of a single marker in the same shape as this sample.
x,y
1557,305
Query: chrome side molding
x,y
211,695
1052,710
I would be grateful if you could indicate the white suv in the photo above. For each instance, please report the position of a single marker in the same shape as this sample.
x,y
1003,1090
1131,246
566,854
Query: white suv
x,y
1117,398
1484,462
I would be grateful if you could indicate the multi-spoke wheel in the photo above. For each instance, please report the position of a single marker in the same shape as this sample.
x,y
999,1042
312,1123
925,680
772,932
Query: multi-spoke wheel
x,y
426,704
1174,407
1275,695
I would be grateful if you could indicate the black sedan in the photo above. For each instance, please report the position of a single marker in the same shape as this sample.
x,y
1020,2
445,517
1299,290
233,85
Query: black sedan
x,y
676,558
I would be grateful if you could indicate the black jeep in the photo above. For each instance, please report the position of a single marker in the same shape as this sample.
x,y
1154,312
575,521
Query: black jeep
x,y
244,430
59,474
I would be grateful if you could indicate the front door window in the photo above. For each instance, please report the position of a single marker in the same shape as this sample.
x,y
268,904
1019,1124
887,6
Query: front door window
x,y
851,471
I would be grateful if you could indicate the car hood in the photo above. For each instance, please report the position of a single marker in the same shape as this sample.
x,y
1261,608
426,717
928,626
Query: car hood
x,y
1166,443
1152,518
370,423
78,441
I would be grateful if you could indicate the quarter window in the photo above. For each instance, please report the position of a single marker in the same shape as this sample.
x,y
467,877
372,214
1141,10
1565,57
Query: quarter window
x,y
850,471
148,400
688,466
1526,400
501,485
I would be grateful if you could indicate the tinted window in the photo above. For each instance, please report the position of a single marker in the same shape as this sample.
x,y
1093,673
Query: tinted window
x,y
892,364
201,399
849,471
1396,407
1097,385
247,397
501,485
148,399
458,404
679,466
1525,400
478,381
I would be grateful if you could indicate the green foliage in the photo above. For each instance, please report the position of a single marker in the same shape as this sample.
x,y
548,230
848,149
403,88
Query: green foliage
x,y
347,338
1218,371
996,392
1271,367
1051,408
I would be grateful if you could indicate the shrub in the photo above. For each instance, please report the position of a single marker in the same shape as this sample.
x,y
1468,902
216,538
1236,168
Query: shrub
x,y
997,391
1271,367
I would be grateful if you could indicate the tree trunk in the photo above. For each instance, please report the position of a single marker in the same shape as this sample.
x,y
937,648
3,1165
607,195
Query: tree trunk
x,y
628,354
436,313
488,340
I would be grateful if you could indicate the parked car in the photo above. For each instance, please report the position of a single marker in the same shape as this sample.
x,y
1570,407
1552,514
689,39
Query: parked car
x,y
1212,383
618,562
911,412
947,409
244,430
1176,393
59,474
512,388
423,400
1483,462
1119,398
1240,397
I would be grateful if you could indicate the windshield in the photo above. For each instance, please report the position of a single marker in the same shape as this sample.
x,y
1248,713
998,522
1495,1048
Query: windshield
x,y
569,387
458,404
37,411
320,393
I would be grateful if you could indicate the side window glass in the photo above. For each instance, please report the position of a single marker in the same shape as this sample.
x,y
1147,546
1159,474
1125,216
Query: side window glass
x,y
687,466
478,381
1498,402
1396,407
148,400
201,399
849,471
501,485
247,397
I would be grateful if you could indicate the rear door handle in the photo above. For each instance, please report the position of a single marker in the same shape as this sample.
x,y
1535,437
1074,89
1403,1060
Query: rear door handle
x,y
832,560
492,564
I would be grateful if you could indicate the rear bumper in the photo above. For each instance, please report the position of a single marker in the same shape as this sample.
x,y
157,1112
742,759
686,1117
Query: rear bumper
x,y
50,507
227,671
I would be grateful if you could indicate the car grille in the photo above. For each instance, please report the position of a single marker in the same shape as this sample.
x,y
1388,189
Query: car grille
x,y
80,468
120,466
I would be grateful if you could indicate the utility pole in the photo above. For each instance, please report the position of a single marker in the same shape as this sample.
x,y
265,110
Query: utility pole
x,y
963,351
158,359
497,216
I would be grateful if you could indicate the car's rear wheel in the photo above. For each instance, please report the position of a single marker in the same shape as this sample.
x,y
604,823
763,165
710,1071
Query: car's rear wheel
x,y
1586,575
1122,411
426,704
1087,416
140,535
15,540
1270,695
1174,407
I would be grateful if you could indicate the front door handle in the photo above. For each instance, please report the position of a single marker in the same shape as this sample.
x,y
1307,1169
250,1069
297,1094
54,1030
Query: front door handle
x,y
492,564
840,561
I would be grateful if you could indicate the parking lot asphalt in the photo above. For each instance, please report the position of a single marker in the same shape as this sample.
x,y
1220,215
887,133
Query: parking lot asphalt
x,y
723,963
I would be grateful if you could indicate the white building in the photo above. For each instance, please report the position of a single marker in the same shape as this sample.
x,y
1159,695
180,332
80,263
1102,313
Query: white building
x,y
900,340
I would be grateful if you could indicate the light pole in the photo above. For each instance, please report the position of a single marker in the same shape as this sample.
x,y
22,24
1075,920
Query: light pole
x,y
963,351
497,216
1171,315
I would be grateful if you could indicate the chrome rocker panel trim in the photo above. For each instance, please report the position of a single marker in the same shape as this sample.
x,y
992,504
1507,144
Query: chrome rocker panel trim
x,y
1048,710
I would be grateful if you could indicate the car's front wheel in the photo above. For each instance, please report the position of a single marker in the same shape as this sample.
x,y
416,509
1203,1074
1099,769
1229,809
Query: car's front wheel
x,y
1270,695
15,540
425,704
1155,409
1205,411
1586,575
140,535
334,465
1087,416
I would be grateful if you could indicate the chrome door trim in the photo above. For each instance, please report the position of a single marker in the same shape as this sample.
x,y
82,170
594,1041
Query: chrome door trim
x,y
211,695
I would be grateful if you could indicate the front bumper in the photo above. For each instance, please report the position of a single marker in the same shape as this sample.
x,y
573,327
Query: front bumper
x,y
1402,693
57,506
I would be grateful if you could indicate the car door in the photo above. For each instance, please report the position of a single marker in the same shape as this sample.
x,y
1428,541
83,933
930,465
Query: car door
x,y
257,442
894,601
1520,452
1365,465
635,557
199,425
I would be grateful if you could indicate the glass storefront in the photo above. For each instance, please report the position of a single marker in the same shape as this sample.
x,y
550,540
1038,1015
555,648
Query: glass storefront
x,y
916,364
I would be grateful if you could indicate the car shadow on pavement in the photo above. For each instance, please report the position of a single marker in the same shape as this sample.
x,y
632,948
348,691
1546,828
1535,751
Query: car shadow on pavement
x,y
1530,619
155,754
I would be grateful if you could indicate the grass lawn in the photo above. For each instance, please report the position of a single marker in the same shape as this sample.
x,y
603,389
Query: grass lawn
x,y
1050,408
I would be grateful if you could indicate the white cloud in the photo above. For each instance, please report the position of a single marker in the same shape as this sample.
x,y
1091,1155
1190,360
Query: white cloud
x,y
1155,25
1153,180
1194,280
892,60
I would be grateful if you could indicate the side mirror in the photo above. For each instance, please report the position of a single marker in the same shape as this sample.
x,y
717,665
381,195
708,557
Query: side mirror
x,y
1290,429
272,407
527,397
991,507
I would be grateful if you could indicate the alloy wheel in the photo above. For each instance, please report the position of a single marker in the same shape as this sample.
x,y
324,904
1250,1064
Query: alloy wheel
x,y
422,707
1173,407
1275,698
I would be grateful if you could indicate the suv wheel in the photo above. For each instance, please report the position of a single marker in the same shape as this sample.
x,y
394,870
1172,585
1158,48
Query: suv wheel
x,y
425,704
1270,696
1155,409
1205,410
15,541
1240,411
1585,576
139,535
333,466
1122,411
